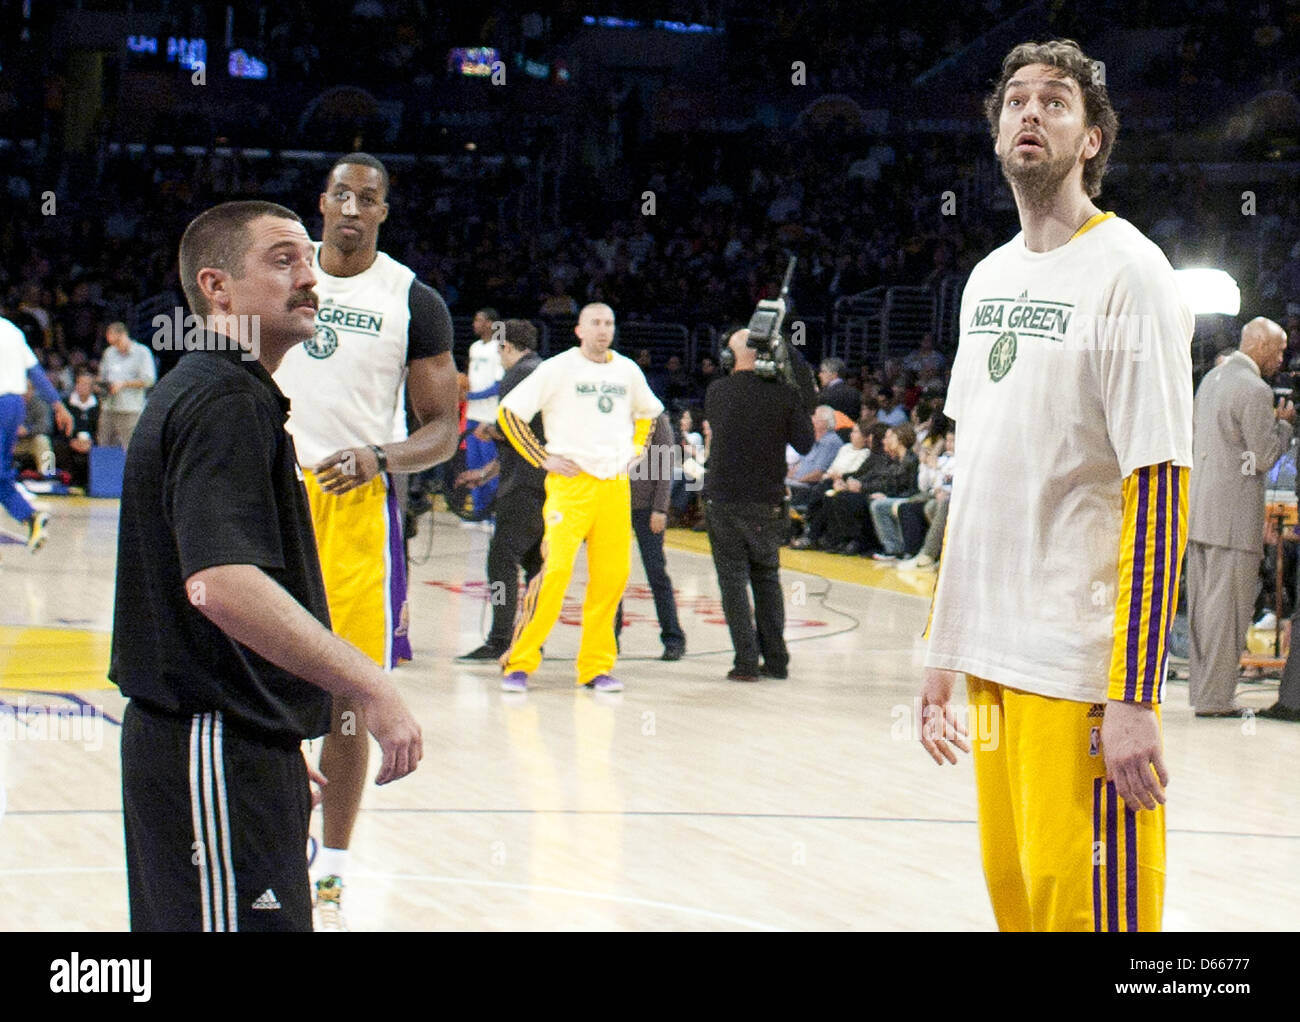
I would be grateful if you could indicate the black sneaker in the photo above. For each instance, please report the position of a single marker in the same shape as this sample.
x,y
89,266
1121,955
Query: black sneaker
x,y
484,652
742,674
771,672
673,653
1279,712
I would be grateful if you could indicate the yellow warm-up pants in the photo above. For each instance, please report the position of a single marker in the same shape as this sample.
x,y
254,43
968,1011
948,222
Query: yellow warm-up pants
x,y
578,508
358,540
1060,849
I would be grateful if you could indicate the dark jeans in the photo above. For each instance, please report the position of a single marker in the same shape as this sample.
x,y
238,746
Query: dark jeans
x,y
517,542
746,541
656,573
848,518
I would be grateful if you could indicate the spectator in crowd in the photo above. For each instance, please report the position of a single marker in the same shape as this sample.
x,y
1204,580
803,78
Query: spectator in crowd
x,y
127,371
807,472
892,412
848,459
835,392
679,387
936,509
558,304
80,322
847,527
688,478
925,358
73,453
900,487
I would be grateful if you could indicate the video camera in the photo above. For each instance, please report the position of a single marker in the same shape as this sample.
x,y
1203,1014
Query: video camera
x,y
776,358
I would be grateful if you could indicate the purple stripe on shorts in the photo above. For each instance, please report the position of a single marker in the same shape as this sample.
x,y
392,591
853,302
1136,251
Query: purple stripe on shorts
x,y
1131,869
397,580
1096,866
1156,628
1135,598
1112,861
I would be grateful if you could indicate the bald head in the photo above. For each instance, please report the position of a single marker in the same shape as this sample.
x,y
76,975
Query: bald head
x,y
739,345
1265,342
595,331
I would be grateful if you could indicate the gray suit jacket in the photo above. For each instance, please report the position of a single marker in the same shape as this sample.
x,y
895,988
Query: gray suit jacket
x,y
1236,438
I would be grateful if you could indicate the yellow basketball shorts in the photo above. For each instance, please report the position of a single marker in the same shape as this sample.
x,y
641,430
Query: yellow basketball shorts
x,y
363,562
1060,849
577,509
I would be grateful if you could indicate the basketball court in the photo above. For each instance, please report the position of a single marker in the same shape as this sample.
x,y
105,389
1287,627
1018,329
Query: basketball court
x,y
687,802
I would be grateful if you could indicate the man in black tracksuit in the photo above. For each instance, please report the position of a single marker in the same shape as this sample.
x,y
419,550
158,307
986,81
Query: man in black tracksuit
x,y
521,492
752,420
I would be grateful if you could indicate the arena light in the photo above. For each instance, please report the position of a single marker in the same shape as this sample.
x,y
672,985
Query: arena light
x,y
1209,292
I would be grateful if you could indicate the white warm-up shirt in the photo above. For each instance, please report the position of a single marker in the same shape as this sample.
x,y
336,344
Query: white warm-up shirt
x,y
1073,371
589,409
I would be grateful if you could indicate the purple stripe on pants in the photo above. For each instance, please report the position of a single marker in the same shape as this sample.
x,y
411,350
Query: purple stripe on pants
x,y
397,581
1131,869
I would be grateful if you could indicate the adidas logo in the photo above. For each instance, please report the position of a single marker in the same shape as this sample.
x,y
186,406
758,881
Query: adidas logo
x,y
266,900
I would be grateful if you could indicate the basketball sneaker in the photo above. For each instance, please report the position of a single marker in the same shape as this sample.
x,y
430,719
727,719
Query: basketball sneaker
x,y
515,681
327,913
605,683
36,530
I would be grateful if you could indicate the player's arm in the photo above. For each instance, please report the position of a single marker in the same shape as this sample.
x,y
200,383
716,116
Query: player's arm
x,y
491,391
221,499
430,383
257,612
1152,541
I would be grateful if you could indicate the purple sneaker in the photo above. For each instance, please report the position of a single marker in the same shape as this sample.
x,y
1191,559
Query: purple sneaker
x,y
605,683
515,681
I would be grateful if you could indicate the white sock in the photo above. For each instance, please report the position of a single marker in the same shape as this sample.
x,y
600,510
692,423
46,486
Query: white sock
x,y
331,862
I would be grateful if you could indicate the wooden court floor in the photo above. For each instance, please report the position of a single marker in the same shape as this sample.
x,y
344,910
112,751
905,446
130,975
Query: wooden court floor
x,y
687,802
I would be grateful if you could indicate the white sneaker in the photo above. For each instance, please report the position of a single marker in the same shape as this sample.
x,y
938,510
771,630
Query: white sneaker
x,y
1268,621
921,562
327,912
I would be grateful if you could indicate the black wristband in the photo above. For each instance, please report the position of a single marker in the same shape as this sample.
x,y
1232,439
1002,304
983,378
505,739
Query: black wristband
x,y
380,456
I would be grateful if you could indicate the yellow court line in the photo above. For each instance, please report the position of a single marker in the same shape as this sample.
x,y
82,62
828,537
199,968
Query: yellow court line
x,y
860,570
53,659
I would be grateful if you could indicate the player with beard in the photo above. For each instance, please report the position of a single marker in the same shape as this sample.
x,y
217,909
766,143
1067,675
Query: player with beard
x,y
1059,577
378,330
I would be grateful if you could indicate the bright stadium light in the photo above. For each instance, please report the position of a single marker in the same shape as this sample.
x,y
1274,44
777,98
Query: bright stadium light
x,y
1209,292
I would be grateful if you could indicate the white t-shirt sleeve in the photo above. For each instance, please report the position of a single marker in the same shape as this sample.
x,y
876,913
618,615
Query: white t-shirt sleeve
x,y
528,396
1145,368
644,403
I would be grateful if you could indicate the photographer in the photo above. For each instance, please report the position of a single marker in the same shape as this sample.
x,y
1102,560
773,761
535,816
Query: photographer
x,y
752,419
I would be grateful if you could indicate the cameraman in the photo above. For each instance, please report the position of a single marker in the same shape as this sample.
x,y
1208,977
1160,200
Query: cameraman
x,y
752,419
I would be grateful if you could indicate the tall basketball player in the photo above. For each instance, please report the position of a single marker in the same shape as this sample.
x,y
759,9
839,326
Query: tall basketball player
x,y
377,328
1059,577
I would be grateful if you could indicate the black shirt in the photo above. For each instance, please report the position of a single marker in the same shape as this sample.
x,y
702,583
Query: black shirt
x,y
516,474
752,419
212,478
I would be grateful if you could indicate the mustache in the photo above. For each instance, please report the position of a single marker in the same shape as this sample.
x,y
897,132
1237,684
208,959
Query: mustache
x,y
306,297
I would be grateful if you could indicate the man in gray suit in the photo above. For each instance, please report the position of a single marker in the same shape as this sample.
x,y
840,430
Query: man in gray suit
x,y
1237,435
